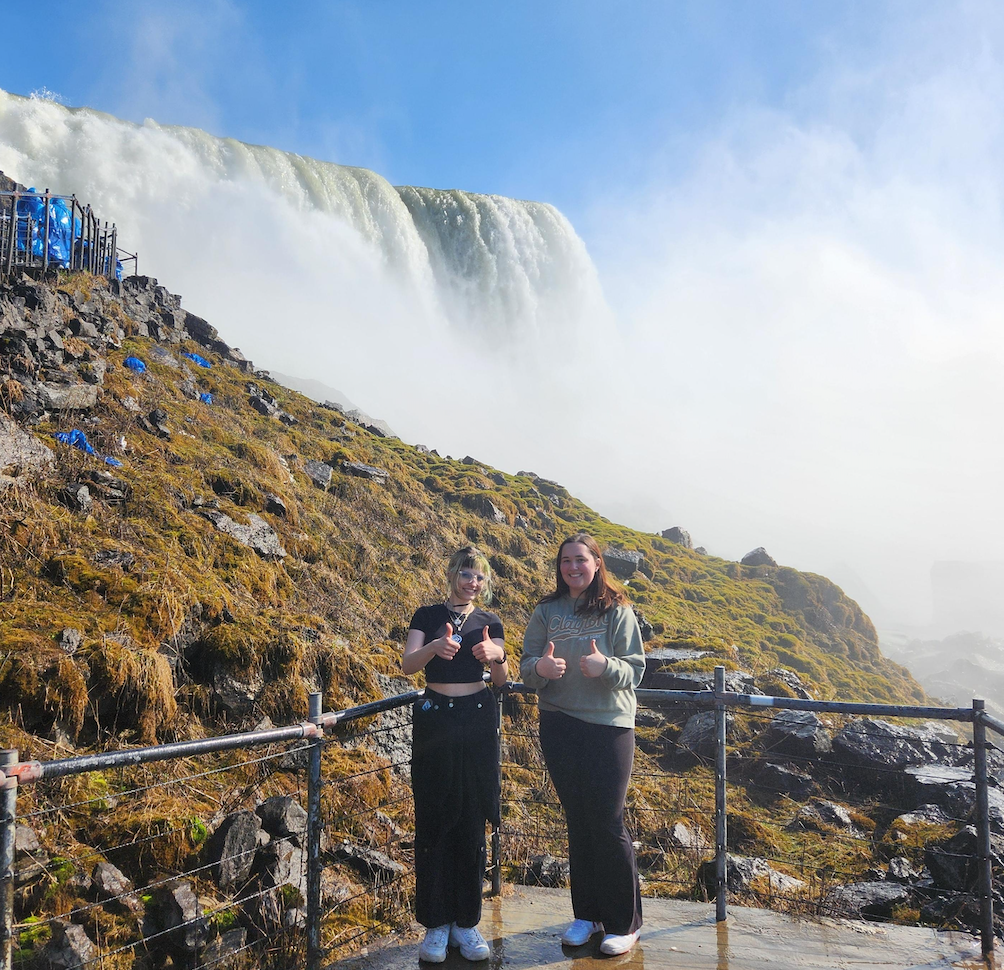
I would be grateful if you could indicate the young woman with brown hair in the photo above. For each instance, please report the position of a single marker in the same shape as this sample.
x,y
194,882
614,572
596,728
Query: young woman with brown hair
x,y
584,656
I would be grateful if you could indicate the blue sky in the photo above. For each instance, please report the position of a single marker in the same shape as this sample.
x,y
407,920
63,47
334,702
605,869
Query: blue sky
x,y
553,101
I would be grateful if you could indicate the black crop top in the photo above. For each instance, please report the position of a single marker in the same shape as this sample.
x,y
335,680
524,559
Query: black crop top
x,y
464,668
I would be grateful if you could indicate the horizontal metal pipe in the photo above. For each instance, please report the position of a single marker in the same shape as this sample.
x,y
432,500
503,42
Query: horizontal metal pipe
x,y
164,752
848,707
373,707
991,722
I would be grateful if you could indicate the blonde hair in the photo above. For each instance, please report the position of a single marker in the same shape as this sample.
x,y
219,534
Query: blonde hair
x,y
471,558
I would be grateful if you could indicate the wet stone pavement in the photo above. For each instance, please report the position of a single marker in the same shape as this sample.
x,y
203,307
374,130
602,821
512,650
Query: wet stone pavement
x,y
524,925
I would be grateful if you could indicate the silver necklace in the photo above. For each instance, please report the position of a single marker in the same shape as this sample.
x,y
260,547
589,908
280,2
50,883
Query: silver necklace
x,y
458,619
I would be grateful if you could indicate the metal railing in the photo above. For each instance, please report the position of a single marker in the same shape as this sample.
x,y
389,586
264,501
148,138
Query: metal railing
x,y
43,230
358,814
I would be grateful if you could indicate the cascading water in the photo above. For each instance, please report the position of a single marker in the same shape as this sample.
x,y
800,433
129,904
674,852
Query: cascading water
x,y
501,270
453,316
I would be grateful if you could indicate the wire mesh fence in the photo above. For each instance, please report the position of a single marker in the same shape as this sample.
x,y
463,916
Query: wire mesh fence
x,y
207,858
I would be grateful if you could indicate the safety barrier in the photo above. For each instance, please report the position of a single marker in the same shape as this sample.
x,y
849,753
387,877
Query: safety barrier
x,y
43,230
358,820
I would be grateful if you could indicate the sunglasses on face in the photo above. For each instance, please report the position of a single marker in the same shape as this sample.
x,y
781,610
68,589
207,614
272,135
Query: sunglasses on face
x,y
467,576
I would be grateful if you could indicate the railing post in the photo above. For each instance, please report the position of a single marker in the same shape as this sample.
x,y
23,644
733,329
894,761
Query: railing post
x,y
45,233
496,866
8,814
721,833
984,883
314,841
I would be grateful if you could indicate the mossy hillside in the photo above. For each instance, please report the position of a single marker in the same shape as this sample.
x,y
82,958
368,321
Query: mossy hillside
x,y
186,600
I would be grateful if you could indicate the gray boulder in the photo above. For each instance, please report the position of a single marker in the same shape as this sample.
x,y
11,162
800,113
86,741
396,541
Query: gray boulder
x,y
824,816
758,557
866,900
68,397
70,946
797,734
623,563
545,870
873,743
257,534
232,848
374,474
680,536
283,816
749,874
318,472
699,735
20,452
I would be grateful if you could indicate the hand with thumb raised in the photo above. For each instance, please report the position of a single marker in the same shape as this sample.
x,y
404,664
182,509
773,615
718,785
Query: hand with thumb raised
x,y
550,666
446,647
592,664
486,651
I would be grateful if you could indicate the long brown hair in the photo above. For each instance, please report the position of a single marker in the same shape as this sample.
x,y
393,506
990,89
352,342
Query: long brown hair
x,y
600,596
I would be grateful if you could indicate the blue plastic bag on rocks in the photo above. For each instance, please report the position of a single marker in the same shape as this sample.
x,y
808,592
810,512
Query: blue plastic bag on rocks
x,y
76,438
134,363
206,398
201,361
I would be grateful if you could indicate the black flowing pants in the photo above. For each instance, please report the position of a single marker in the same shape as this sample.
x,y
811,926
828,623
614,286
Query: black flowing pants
x,y
590,765
455,779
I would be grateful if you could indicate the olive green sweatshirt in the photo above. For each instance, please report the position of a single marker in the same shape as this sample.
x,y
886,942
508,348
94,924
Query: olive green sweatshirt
x,y
607,699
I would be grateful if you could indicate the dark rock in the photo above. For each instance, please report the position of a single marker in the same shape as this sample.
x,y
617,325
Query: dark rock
x,y
900,870
21,452
283,816
688,837
823,816
368,862
379,475
798,734
791,680
784,781
225,949
875,900
954,864
93,371
923,815
701,551
115,557
106,486
658,679
680,536
70,946
25,840
545,870
232,848
67,397
77,497
746,874
647,631
257,534
181,914
70,640
202,331
483,505
758,557
873,743
237,696
699,736
275,505
112,885
623,563
319,473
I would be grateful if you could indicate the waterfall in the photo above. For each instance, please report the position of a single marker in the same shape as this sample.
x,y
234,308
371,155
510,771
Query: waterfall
x,y
208,213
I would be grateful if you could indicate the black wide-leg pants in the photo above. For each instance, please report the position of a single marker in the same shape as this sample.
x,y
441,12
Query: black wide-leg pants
x,y
590,765
455,780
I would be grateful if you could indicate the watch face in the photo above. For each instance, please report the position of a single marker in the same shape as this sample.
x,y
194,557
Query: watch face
x,y
457,638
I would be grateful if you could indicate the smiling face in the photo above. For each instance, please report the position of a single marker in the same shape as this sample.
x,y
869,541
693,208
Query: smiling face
x,y
467,584
578,566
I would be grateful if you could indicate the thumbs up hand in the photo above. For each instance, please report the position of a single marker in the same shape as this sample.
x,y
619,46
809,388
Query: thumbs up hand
x,y
446,647
549,665
486,651
592,664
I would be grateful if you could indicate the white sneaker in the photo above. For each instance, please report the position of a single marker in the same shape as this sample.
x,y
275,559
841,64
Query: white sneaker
x,y
612,945
433,948
472,944
577,932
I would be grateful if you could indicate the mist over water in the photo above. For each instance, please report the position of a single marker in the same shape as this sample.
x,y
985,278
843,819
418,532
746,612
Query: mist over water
x,y
766,378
